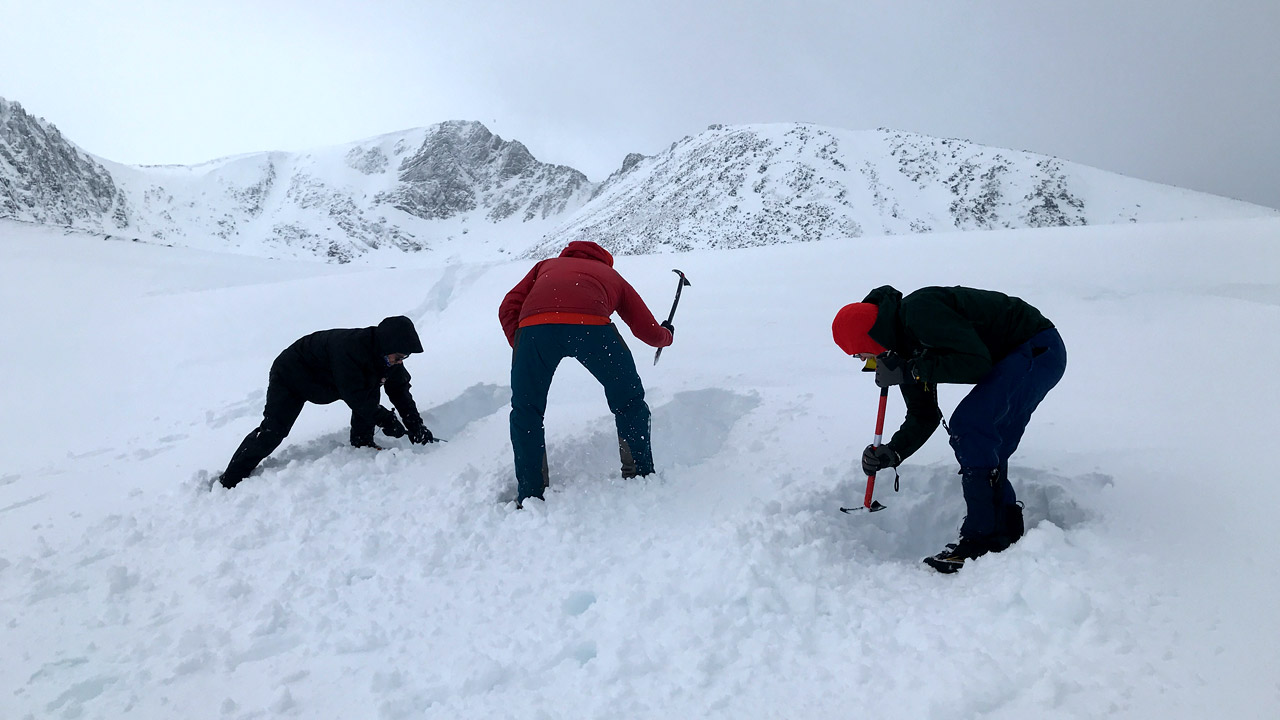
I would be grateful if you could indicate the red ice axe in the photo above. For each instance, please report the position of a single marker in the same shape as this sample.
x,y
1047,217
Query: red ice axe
x,y
867,503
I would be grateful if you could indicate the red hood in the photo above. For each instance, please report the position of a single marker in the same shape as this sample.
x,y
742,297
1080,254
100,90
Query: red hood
x,y
588,250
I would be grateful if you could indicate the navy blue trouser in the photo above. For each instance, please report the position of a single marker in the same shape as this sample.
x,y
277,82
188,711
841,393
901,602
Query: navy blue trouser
x,y
600,349
988,425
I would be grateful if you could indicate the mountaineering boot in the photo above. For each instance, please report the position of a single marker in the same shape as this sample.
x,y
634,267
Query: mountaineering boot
x,y
1013,524
546,483
952,558
630,468
1011,527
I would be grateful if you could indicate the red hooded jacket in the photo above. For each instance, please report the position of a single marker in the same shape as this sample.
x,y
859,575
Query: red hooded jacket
x,y
578,288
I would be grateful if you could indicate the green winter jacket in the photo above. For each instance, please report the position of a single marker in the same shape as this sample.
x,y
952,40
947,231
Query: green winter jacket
x,y
947,335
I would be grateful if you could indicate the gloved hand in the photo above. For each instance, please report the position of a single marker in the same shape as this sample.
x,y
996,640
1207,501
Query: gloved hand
x,y
420,435
876,458
389,423
670,328
892,370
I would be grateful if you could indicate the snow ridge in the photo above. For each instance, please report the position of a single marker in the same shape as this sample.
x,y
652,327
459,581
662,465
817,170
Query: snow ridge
x,y
454,191
753,185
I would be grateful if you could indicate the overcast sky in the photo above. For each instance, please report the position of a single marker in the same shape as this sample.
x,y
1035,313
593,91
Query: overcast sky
x,y
1185,92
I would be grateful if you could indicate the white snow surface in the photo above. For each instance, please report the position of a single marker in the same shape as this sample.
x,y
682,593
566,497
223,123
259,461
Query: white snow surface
x,y
346,583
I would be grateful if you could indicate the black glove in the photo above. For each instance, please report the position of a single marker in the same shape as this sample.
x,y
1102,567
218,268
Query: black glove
x,y
670,328
892,370
420,435
389,423
876,458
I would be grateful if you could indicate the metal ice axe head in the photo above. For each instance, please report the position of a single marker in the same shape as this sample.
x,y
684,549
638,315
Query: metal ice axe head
x,y
683,282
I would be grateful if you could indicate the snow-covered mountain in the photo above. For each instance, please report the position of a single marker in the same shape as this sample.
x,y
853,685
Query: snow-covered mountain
x,y
750,185
415,191
455,191
46,179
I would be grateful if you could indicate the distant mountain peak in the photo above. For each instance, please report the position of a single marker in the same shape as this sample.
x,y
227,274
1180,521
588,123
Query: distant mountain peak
x,y
461,167
456,187
44,178
747,185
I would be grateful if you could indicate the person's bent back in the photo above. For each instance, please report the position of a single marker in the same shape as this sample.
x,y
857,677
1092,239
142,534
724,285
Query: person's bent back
x,y
560,309
580,287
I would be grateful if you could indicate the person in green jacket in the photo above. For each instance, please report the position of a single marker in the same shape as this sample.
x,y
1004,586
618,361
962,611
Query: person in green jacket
x,y
1004,347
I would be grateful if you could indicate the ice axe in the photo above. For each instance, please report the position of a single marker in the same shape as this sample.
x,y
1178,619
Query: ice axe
x,y
867,503
683,281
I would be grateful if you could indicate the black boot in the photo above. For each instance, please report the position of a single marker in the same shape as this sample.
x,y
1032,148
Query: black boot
x,y
952,558
1012,527
630,469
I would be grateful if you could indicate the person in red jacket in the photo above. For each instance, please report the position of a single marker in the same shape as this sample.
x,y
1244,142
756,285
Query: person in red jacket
x,y
561,309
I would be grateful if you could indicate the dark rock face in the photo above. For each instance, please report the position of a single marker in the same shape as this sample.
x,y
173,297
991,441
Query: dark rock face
x,y
462,167
46,179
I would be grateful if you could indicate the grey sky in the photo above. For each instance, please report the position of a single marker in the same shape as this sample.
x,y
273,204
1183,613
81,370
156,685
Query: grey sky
x,y
1177,91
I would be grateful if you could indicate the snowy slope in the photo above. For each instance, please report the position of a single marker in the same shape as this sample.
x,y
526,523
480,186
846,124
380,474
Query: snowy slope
x,y
751,185
343,583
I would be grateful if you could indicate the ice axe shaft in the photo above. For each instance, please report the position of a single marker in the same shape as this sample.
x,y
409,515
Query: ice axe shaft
x,y
867,503
671,315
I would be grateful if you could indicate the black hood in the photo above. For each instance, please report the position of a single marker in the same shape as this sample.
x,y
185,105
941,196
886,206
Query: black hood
x,y
397,335
887,329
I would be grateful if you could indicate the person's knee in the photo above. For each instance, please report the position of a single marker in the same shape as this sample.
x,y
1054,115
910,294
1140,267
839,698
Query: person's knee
x,y
526,416
272,432
628,403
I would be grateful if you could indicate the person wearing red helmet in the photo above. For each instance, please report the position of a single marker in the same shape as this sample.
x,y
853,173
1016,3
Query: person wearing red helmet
x,y
1004,347
560,309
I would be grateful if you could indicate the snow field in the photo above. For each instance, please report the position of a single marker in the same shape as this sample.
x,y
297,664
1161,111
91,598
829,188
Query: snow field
x,y
398,584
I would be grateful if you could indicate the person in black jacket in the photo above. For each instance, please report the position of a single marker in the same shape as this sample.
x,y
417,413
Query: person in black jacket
x,y
1004,347
351,365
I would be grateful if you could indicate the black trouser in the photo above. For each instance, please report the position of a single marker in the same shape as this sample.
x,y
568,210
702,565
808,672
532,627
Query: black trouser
x,y
282,410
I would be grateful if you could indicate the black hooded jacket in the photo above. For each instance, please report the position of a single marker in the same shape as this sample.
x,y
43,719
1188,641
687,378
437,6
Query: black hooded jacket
x,y
948,335
350,365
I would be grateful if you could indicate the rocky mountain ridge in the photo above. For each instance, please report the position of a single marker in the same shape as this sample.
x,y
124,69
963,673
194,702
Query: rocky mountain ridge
x,y
455,191
750,185
46,179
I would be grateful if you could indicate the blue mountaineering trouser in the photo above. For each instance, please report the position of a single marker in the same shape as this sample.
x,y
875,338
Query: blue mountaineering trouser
x,y
600,349
988,425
